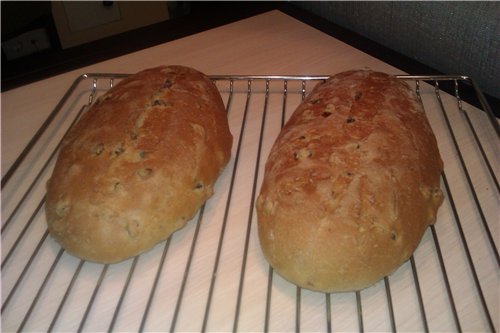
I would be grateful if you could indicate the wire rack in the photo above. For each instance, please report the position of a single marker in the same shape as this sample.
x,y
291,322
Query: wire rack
x,y
211,276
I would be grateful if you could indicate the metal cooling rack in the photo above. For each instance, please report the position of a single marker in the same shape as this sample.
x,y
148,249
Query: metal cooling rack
x,y
211,276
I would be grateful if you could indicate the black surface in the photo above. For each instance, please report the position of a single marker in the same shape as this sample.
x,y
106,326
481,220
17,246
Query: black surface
x,y
202,16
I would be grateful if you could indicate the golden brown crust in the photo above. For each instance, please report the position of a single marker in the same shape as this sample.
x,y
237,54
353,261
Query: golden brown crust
x,y
138,165
350,185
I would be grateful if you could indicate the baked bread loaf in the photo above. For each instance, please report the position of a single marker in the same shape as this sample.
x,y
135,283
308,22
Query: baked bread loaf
x,y
138,165
350,185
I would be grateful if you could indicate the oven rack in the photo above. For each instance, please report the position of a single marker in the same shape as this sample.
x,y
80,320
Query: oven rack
x,y
211,276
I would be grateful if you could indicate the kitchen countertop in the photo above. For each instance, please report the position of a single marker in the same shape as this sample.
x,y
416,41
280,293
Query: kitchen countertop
x,y
274,43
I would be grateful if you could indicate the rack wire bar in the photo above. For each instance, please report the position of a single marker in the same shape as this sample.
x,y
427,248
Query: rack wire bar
x,y
96,290
186,272
68,290
123,293
476,138
228,205
360,312
449,292
467,175
215,260
418,291
40,290
250,214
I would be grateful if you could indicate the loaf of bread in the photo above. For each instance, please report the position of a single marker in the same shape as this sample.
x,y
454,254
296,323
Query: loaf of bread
x,y
350,185
138,165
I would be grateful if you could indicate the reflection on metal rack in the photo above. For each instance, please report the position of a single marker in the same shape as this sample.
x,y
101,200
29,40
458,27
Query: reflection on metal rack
x,y
210,276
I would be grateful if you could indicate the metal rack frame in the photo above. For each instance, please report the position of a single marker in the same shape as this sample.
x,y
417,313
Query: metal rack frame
x,y
23,227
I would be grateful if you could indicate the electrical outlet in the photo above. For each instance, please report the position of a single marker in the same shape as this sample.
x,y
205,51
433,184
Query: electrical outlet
x,y
27,43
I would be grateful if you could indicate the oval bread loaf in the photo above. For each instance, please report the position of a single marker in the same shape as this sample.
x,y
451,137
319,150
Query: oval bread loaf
x,y
138,165
350,185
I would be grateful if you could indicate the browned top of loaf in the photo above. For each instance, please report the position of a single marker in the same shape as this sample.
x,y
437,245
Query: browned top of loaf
x,y
138,164
351,183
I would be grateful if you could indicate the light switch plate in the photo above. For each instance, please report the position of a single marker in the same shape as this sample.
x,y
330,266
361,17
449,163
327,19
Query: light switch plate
x,y
80,22
82,15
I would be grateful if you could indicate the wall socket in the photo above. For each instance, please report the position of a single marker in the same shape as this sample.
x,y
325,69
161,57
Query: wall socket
x,y
27,43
